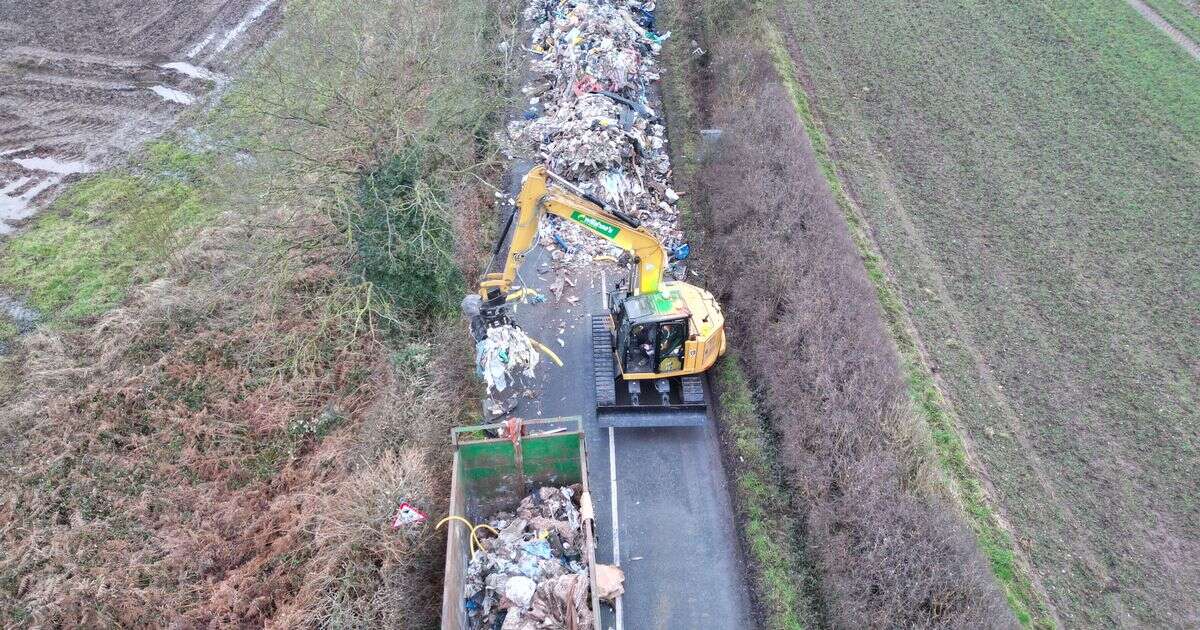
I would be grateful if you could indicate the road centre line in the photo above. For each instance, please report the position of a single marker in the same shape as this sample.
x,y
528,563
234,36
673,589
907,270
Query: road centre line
x,y
612,479
616,523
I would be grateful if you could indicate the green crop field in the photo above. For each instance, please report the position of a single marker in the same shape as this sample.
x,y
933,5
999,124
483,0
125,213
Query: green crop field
x,y
1031,173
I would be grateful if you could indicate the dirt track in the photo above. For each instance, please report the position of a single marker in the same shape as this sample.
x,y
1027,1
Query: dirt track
x,y
81,86
1176,35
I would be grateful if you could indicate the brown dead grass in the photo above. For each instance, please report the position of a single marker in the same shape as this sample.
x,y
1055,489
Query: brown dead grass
x,y
175,463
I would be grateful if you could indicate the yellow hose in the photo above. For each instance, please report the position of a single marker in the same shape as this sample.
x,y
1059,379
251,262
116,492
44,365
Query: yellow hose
x,y
493,529
476,536
547,351
453,518
472,528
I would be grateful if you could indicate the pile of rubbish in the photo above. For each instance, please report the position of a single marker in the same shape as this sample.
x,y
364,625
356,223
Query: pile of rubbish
x,y
505,352
590,118
533,575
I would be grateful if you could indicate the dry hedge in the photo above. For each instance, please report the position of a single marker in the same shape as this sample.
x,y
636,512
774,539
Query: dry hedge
x,y
220,453
809,329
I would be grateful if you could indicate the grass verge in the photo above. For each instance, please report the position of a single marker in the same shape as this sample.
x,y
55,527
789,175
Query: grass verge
x,y
784,582
862,475
961,478
784,587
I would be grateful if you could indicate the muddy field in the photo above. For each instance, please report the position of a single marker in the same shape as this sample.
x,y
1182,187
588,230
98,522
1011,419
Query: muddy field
x,y
82,83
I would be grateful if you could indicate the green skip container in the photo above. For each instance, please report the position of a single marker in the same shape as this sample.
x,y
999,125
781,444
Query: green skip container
x,y
492,475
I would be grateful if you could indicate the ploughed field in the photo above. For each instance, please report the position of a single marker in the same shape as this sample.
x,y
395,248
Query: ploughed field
x,y
1031,172
84,82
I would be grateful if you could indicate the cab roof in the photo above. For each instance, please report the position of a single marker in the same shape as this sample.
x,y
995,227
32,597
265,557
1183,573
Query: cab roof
x,y
661,306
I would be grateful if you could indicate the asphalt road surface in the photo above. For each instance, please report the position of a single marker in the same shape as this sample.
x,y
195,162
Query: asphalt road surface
x,y
665,489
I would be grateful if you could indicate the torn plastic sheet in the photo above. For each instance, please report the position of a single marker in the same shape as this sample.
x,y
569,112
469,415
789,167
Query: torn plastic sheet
x,y
503,353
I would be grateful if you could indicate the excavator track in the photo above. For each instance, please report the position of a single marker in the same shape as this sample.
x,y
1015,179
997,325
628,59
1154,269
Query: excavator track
x,y
603,370
667,402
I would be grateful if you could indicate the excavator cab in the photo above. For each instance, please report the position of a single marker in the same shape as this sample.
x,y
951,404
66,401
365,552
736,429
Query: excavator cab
x,y
649,344
655,348
650,352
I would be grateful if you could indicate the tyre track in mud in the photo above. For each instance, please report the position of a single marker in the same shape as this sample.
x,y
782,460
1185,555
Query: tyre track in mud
x,y
80,87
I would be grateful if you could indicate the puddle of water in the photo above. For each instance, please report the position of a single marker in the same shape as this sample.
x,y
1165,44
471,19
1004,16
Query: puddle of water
x,y
21,314
200,46
37,189
241,27
5,228
190,70
175,96
17,206
92,84
14,207
11,188
51,165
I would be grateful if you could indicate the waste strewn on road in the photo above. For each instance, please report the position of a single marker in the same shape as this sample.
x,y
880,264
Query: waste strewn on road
x,y
591,123
610,582
533,573
589,117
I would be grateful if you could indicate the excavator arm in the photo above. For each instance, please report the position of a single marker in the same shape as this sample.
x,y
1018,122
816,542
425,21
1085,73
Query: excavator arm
x,y
537,198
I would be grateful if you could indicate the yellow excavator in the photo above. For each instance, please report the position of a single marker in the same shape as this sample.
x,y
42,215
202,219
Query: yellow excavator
x,y
651,347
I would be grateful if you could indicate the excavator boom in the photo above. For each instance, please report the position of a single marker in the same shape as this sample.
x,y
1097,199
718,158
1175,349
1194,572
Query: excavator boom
x,y
538,198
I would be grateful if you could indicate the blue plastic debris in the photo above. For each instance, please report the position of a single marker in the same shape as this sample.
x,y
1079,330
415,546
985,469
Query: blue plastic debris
x,y
558,240
528,566
644,18
539,548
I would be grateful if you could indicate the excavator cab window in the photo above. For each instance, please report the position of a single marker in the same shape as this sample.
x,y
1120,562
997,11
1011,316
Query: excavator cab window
x,y
639,353
655,347
670,345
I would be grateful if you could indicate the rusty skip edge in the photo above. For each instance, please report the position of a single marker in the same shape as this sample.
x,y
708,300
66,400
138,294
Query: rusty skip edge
x,y
526,465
